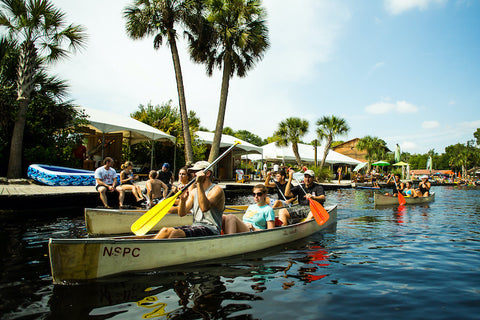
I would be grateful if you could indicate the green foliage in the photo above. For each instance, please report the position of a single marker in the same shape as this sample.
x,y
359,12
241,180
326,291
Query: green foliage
x,y
375,147
245,135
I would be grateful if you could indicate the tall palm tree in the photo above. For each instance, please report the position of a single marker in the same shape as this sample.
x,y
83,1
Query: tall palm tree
x,y
233,36
375,147
158,18
291,130
328,129
42,33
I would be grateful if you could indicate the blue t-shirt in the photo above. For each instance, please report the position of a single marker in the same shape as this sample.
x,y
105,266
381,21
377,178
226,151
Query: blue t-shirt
x,y
258,216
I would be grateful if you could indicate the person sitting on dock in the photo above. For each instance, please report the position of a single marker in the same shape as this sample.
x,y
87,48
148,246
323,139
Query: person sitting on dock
x,y
127,178
307,190
424,186
207,202
258,216
156,189
280,184
397,185
106,180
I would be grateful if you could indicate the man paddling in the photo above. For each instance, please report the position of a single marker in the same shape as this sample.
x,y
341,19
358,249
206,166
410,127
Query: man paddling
x,y
280,183
207,202
307,190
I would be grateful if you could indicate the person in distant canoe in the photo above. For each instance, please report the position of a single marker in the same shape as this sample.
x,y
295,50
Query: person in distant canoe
x,y
280,183
106,180
156,189
259,216
127,178
409,191
424,186
307,190
396,188
207,202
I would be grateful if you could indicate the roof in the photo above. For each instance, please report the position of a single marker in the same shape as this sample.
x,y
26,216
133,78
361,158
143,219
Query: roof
x,y
132,129
227,141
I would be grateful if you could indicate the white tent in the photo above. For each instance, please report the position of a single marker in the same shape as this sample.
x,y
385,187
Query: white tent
x,y
133,130
272,152
227,140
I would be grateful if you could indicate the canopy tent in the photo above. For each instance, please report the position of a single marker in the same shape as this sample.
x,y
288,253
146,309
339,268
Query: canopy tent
x,y
131,129
272,152
360,166
227,140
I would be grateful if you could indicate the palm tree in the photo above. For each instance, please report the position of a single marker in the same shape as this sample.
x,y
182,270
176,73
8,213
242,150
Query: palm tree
x,y
40,30
291,130
233,36
328,129
158,18
375,147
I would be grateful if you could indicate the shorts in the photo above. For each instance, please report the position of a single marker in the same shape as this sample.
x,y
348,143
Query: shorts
x,y
298,214
156,201
272,202
196,231
98,186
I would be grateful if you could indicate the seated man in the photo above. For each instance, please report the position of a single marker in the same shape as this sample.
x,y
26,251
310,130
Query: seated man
x,y
280,184
397,185
207,201
307,190
258,216
106,180
156,189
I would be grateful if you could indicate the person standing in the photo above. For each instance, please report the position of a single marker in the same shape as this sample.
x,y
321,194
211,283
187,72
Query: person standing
x,y
165,175
206,201
106,181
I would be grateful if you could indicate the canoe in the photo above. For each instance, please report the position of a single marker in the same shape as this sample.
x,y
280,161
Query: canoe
x,y
118,221
370,188
75,260
383,200
61,176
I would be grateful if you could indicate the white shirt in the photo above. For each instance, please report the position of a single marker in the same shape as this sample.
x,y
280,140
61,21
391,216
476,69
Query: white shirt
x,y
106,176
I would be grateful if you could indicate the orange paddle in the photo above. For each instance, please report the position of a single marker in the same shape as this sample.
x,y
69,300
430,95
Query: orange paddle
x,y
319,213
401,198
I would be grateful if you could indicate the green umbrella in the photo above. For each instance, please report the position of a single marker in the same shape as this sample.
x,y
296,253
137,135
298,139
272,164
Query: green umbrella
x,y
381,163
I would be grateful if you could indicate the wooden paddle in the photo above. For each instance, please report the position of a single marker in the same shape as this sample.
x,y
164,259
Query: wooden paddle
x,y
401,198
319,213
150,218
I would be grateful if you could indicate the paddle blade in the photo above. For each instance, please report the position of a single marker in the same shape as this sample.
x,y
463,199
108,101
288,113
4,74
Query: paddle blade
x,y
319,213
401,199
150,218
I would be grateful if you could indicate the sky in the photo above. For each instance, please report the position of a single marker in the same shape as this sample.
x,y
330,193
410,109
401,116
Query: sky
x,y
405,71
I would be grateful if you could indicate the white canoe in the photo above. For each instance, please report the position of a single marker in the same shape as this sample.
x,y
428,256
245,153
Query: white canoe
x,y
383,200
118,221
73,260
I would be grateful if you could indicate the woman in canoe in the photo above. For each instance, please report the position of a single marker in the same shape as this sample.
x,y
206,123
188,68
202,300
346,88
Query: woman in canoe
x,y
409,191
126,181
259,216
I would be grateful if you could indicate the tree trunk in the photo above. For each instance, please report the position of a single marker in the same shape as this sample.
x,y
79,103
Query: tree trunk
x,y
215,150
181,99
25,75
325,152
297,155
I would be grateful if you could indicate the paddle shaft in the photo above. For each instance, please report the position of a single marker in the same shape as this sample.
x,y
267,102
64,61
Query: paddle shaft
x,y
319,213
399,194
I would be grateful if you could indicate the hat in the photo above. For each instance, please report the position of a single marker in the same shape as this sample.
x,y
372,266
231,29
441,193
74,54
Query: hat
x,y
424,177
310,173
166,165
199,165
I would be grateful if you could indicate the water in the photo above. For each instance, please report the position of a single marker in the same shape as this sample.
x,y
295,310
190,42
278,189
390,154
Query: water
x,y
421,262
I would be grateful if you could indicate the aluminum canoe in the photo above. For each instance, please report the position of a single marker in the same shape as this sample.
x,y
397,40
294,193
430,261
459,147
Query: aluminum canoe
x,y
76,260
383,200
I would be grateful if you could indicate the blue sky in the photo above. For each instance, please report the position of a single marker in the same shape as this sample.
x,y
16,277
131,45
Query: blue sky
x,y
406,71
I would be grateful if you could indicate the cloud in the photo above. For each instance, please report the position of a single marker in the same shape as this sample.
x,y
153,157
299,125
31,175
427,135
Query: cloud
x,y
430,124
452,102
387,107
396,7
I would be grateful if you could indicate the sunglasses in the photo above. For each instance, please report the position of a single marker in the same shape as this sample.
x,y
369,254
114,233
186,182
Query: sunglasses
x,y
257,194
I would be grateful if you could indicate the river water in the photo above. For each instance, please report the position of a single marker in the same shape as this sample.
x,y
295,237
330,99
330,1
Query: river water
x,y
419,262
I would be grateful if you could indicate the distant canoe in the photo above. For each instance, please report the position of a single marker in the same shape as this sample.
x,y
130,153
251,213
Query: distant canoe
x,y
101,222
91,258
383,200
370,188
61,176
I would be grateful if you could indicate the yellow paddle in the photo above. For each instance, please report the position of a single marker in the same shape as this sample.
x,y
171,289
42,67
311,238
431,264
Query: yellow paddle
x,y
150,218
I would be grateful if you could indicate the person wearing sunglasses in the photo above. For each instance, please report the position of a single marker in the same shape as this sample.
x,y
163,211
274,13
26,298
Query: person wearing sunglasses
x,y
259,216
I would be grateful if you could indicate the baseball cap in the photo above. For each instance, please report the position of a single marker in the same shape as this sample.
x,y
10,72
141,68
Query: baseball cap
x,y
166,165
424,177
199,165
310,173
